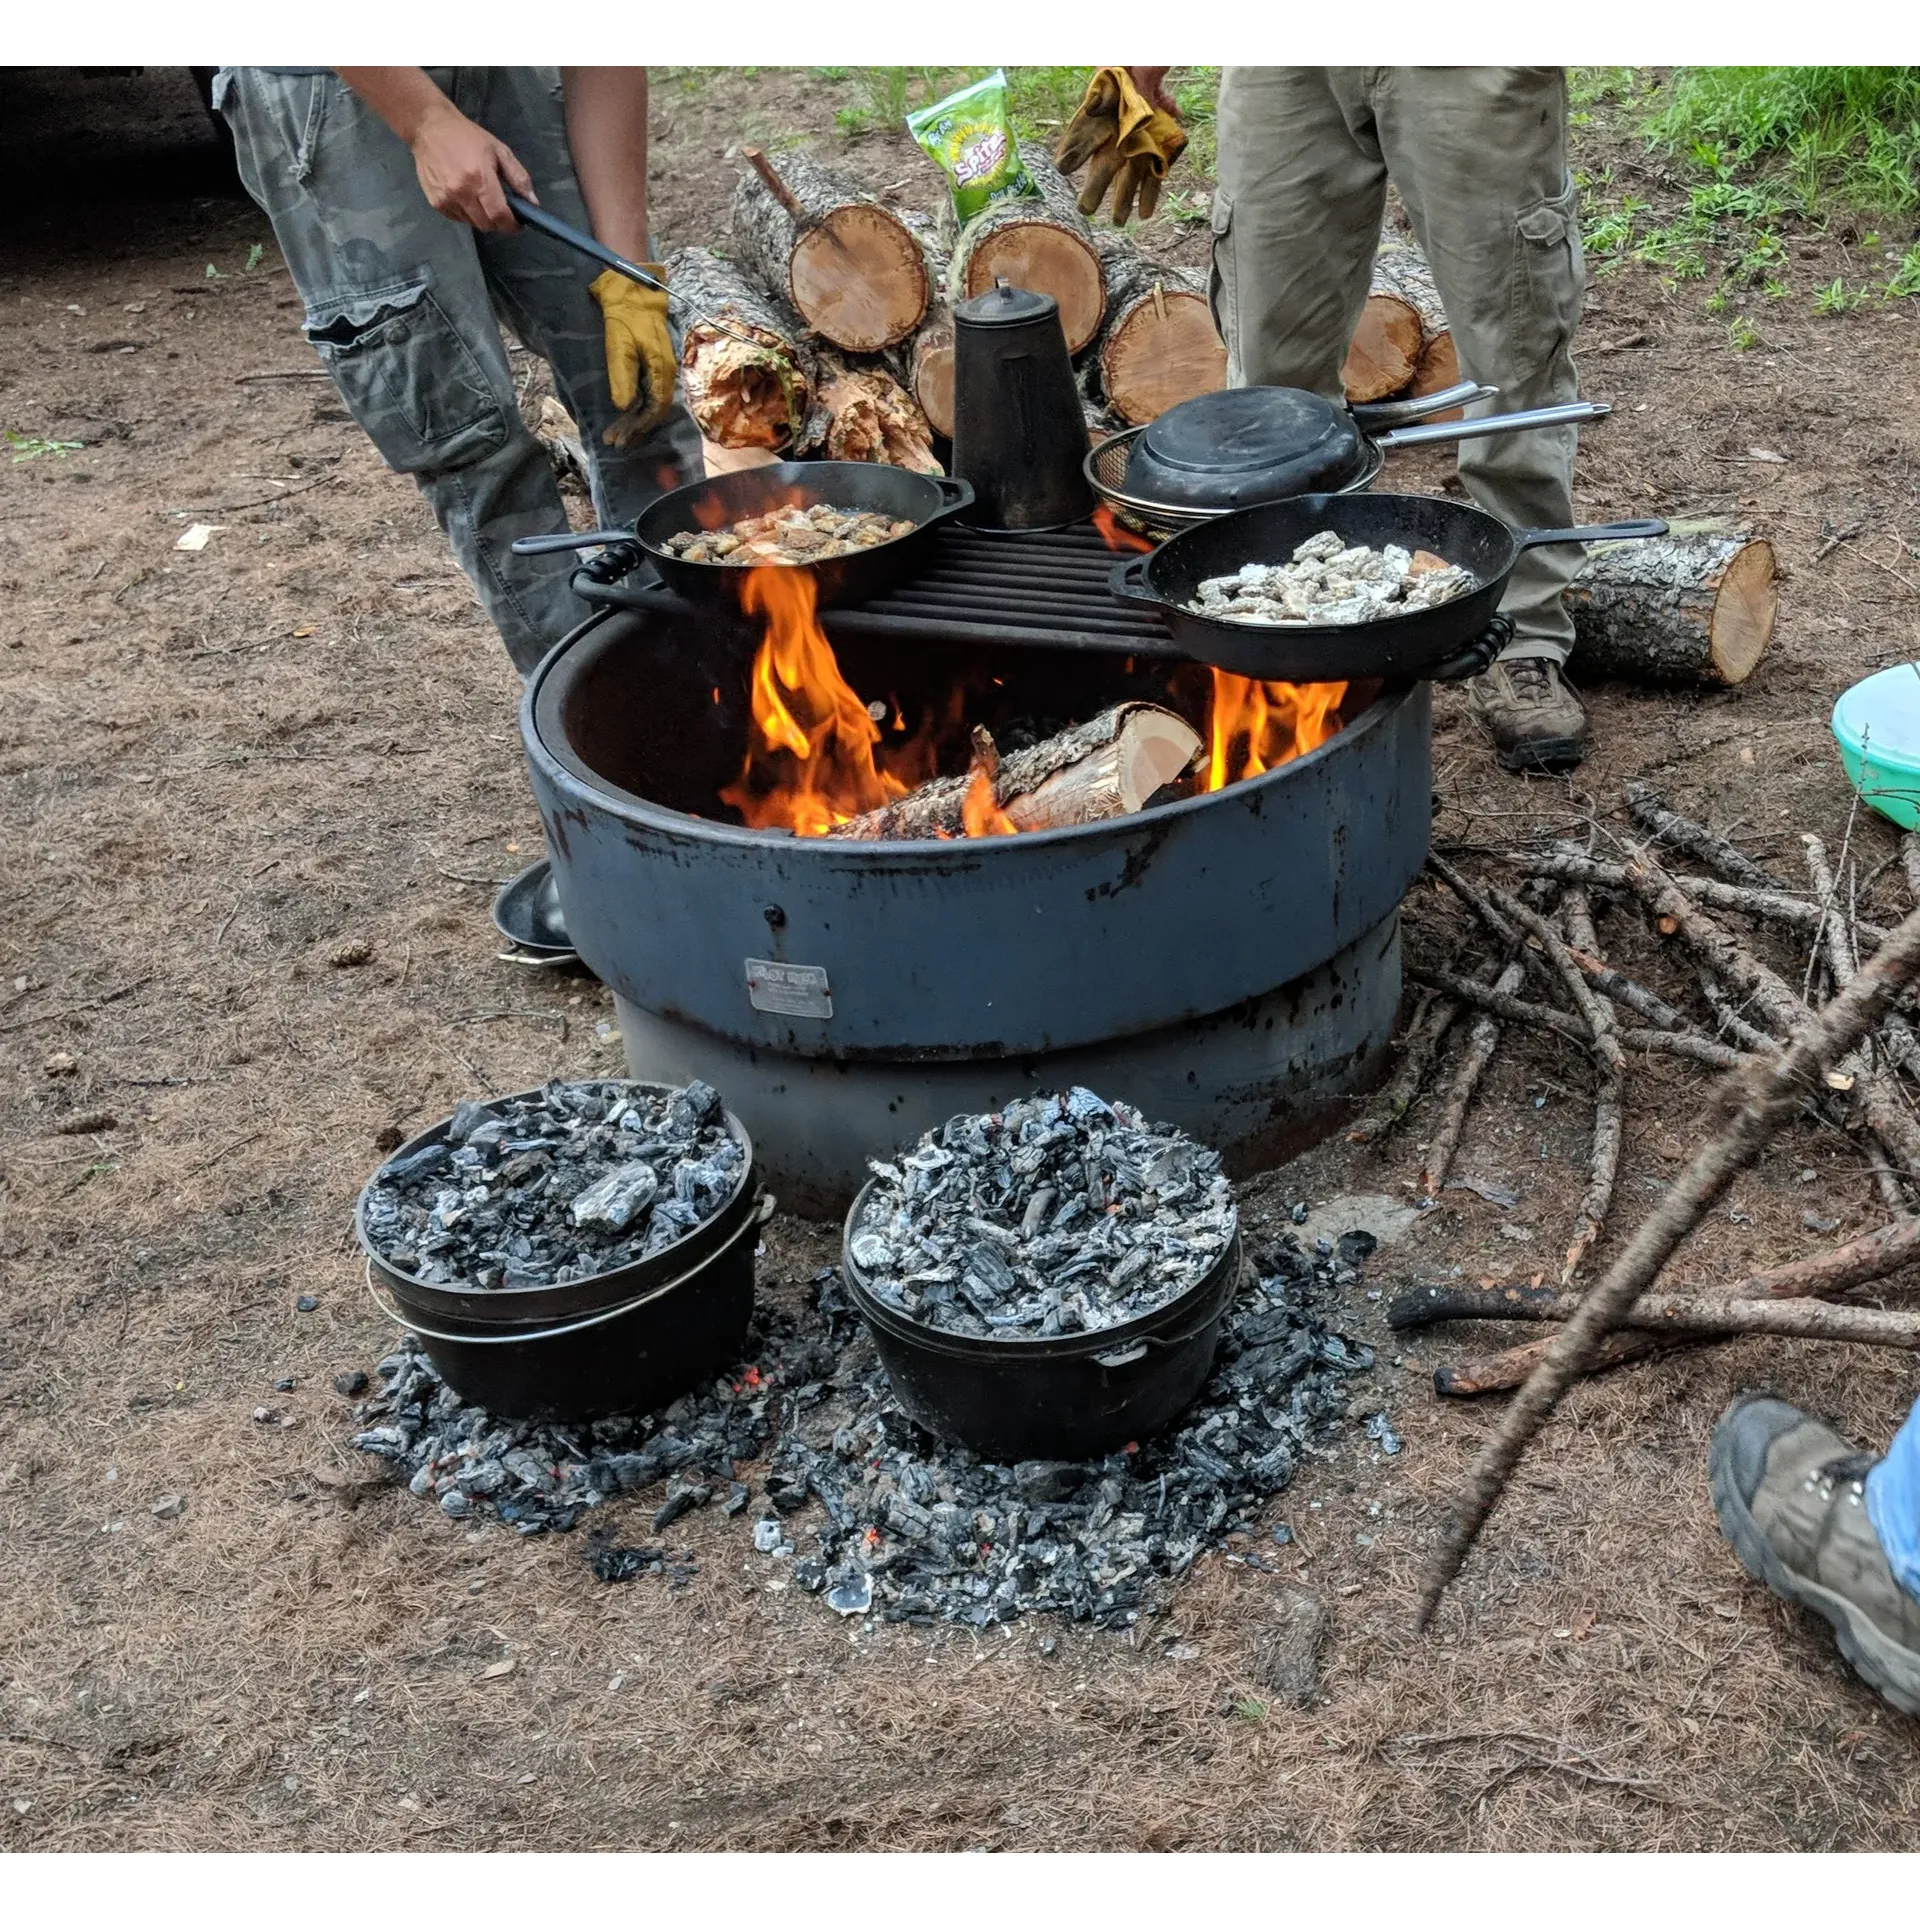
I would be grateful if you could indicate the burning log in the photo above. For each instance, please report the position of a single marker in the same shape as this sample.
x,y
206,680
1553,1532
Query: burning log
x,y
1157,345
855,271
1109,765
1045,245
752,392
863,413
1691,609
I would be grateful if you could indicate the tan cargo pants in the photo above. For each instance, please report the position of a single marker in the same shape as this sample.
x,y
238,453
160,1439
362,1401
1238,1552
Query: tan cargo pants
x,y
1479,156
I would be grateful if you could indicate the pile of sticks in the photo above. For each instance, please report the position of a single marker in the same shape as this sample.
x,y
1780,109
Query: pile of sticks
x,y
1731,1006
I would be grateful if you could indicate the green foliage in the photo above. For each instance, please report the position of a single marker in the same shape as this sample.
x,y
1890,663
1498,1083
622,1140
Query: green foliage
x,y
1838,299
1906,277
1742,335
255,254
27,446
1249,1709
1822,135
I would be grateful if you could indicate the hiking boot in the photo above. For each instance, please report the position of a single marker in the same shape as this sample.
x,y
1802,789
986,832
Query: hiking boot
x,y
1535,720
1791,1497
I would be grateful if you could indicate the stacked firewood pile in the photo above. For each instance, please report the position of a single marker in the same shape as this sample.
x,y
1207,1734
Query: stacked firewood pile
x,y
828,326
1403,346
1753,961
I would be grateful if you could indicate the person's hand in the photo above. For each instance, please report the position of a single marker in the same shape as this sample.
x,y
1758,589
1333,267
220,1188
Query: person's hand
x,y
461,167
1125,139
640,357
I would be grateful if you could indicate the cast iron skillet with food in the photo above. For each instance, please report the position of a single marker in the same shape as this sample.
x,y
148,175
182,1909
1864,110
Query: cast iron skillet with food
x,y
1406,645
707,506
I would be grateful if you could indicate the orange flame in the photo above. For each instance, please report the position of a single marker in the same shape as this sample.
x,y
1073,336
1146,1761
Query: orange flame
x,y
1120,539
980,811
1260,724
810,762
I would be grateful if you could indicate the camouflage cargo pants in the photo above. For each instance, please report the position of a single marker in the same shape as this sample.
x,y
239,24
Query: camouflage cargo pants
x,y
1479,157
405,307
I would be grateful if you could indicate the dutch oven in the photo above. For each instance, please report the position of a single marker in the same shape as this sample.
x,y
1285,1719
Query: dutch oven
x,y
1079,1396
625,1341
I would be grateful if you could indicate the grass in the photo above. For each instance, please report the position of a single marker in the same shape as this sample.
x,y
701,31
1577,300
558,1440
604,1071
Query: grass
x,y
27,446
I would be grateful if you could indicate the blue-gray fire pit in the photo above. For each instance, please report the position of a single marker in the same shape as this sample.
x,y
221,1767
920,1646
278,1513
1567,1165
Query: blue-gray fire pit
x,y
1228,962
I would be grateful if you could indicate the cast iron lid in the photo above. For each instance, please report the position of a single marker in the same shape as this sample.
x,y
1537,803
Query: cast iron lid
x,y
1244,446
1005,305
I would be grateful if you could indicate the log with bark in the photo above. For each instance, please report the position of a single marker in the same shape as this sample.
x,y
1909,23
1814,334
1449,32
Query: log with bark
x,y
1042,243
1402,343
1157,345
753,392
857,272
1109,765
864,413
1691,609
930,372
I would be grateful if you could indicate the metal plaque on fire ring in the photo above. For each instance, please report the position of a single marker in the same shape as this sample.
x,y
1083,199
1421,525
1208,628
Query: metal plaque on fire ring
x,y
775,986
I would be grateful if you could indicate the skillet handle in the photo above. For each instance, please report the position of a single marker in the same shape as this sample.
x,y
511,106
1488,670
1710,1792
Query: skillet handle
x,y
1569,536
957,494
533,543
1127,581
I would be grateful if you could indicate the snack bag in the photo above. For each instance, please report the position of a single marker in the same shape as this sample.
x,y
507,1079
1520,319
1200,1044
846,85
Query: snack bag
x,y
969,135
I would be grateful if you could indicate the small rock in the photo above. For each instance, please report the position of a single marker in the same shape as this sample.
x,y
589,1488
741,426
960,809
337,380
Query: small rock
x,y
351,953
1286,1656
1299,1214
1282,1534
265,1417
306,1304
170,1508
350,1383
1048,1647
284,1384
766,1535
59,1064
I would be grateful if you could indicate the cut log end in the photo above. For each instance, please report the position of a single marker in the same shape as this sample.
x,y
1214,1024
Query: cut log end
x,y
1165,350
933,377
859,279
1689,609
1043,258
1438,369
1385,348
1743,613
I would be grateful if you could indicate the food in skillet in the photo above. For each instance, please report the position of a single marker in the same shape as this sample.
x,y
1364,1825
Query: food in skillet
x,y
1329,584
790,537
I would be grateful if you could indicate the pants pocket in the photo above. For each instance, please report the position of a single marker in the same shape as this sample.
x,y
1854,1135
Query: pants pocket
x,y
1220,274
417,389
1549,276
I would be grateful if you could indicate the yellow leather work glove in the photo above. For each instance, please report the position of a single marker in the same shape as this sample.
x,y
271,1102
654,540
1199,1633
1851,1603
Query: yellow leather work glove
x,y
640,356
1124,142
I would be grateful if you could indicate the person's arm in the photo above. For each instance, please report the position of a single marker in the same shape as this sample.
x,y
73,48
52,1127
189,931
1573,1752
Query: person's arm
x,y
460,164
1152,82
607,133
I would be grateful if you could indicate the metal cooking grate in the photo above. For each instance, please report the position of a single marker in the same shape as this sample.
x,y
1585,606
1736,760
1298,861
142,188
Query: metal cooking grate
x,y
1031,589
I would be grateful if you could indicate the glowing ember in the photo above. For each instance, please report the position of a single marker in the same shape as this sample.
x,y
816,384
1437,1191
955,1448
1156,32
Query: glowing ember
x,y
1255,725
810,761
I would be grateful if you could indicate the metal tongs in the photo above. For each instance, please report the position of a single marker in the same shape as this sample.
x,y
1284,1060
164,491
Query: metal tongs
x,y
542,221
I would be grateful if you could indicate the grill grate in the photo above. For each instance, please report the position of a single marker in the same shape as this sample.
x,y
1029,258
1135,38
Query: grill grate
x,y
1032,590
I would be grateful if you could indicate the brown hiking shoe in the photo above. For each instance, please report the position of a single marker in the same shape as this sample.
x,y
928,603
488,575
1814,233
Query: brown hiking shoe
x,y
1535,720
1790,1494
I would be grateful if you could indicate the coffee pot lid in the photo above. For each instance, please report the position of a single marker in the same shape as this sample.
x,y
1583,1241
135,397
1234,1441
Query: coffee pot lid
x,y
1005,305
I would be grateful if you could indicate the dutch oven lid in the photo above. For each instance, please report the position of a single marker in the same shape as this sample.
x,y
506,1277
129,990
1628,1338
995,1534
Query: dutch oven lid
x,y
1245,445
1005,305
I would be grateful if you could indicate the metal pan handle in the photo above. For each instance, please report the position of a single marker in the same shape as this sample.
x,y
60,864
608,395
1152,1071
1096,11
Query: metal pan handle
x,y
1570,536
1371,416
1127,581
533,543
1489,424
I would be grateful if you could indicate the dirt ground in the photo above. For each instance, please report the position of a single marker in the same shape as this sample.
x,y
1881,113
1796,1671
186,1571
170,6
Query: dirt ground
x,y
217,767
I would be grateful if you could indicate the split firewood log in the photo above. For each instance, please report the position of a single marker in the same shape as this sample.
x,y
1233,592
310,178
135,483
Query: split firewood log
x,y
742,392
857,272
1692,608
1109,765
864,413
1157,345
1045,245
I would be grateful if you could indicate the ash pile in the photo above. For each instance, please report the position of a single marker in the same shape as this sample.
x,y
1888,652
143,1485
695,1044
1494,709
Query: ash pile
x,y
572,1180
1061,1214
870,1511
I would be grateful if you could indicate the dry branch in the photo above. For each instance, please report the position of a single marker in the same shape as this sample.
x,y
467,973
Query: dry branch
x,y
1774,1090
1482,1039
1604,1160
1425,1031
1709,848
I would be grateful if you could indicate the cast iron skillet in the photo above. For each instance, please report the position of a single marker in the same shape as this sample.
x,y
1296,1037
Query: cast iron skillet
x,y
1403,646
925,499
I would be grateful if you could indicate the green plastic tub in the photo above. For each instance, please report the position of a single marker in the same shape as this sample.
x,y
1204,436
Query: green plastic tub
x,y
1877,726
